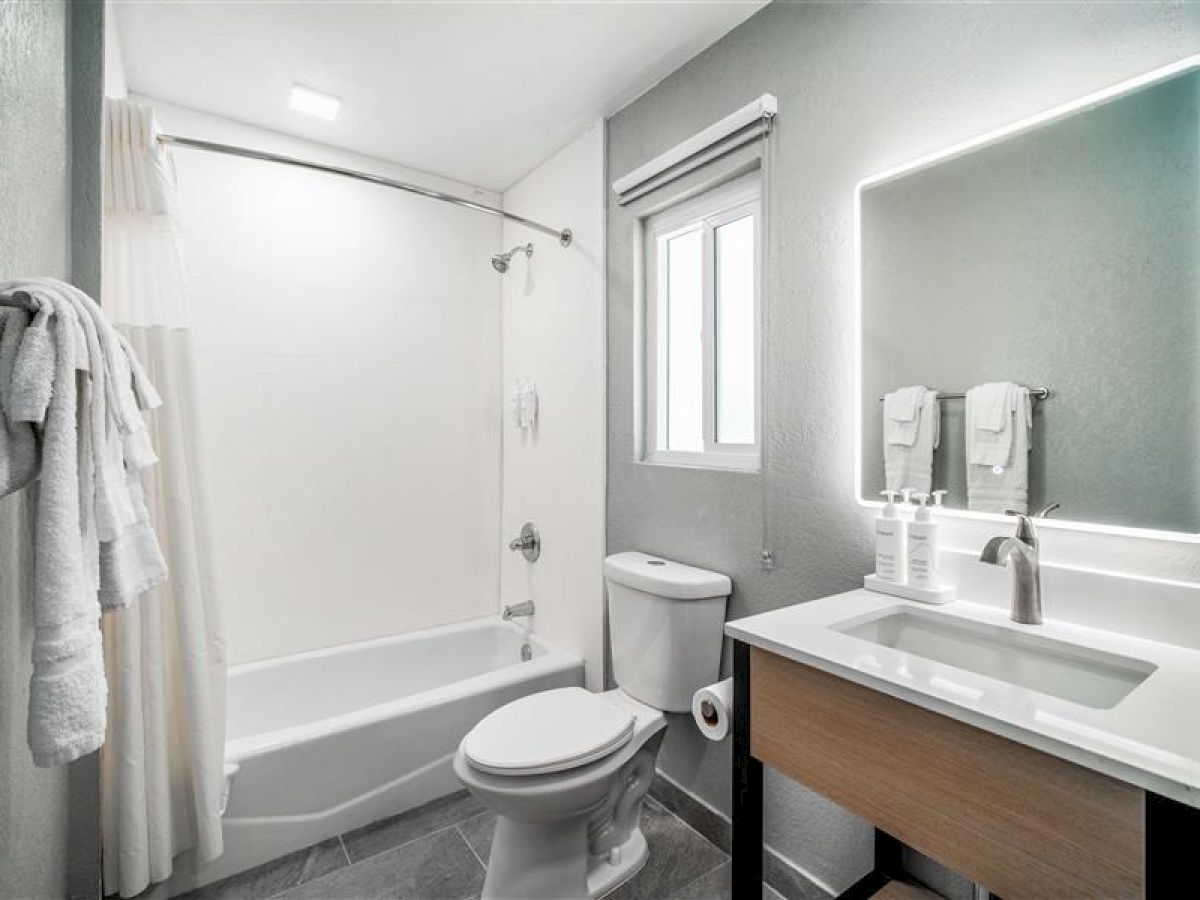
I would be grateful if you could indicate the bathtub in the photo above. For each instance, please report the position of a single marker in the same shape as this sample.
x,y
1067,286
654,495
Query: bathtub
x,y
321,742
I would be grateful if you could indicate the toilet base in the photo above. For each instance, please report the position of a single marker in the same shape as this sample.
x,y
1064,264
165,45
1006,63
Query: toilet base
x,y
543,861
607,874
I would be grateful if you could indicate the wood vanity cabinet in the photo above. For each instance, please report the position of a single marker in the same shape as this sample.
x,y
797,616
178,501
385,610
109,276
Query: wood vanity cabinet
x,y
1024,824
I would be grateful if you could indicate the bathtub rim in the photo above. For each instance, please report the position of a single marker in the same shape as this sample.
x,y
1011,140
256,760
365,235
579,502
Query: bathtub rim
x,y
550,658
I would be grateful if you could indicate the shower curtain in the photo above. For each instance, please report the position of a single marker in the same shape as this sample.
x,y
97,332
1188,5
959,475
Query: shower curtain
x,y
162,763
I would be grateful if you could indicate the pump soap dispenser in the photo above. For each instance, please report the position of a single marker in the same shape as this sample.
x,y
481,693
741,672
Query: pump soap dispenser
x,y
889,541
923,547
912,575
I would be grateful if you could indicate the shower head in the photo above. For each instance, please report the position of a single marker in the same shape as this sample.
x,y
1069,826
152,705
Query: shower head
x,y
501,260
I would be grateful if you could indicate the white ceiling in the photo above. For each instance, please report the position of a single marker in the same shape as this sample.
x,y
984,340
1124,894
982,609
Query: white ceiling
x,y
481,92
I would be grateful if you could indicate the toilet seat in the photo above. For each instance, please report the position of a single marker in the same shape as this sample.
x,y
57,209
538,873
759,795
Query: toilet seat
x,y
552,731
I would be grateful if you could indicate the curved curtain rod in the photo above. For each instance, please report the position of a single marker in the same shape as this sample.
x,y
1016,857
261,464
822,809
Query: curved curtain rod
x,y
563,235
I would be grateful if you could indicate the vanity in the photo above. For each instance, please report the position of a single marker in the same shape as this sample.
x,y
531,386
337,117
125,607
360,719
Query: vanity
x,y
1056,761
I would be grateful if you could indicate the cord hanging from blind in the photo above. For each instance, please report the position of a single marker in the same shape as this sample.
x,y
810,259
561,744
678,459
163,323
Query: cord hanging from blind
x,y
767,554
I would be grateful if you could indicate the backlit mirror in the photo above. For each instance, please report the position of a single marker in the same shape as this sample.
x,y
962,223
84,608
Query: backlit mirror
x,y
1062,254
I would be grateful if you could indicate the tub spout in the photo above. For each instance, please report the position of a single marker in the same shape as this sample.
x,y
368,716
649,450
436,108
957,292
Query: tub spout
x,y
520,609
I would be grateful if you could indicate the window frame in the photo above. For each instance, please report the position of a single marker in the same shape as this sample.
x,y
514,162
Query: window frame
x,y
705,213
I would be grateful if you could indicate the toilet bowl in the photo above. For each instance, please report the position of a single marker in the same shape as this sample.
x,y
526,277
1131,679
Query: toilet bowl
x,y
566,770
564,831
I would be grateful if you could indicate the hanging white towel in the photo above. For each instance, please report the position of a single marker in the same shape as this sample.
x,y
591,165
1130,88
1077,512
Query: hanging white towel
x,y
908,463
902,414
990,409
998,458
93,545
67,690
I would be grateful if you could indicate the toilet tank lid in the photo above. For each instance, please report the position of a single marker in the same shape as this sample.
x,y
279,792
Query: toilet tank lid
x,y
665,578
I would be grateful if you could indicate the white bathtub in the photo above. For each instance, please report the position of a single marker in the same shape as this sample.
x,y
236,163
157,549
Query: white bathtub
x,y
325,741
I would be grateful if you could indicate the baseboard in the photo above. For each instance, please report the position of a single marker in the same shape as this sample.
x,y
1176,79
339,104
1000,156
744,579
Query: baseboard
x,y
789,879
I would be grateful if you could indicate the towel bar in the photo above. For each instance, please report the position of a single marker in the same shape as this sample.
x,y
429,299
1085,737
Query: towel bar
x,y
1040,393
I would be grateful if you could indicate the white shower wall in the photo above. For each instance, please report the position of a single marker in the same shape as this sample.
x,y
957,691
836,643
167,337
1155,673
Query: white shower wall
x,y
554,334
348,343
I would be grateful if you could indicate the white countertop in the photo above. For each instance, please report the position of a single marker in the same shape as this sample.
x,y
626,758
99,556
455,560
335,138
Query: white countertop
x,y
1151,738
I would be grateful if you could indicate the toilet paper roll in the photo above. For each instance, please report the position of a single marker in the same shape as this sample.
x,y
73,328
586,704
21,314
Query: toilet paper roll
x,y
712,708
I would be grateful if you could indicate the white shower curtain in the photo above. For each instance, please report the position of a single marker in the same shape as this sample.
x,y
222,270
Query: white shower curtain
x,y
162,763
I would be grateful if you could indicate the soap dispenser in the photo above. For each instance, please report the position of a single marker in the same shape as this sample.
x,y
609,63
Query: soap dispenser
x,y
923,546
889,542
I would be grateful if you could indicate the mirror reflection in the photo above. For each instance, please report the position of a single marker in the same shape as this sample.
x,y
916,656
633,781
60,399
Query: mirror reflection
x,y
1030,318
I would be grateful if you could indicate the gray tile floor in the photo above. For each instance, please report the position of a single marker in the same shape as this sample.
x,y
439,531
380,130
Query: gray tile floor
x,y
439,852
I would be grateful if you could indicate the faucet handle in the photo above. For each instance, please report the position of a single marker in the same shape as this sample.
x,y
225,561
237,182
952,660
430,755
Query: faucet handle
x,y
1026,530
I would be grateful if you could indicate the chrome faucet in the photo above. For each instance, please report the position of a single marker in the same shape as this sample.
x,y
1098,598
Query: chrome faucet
x,y
520,609
1021,554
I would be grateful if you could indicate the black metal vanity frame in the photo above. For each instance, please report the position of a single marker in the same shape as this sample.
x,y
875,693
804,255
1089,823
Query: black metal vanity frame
x,y
1172,843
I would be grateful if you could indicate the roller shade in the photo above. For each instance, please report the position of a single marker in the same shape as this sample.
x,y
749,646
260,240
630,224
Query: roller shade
x,y
735,130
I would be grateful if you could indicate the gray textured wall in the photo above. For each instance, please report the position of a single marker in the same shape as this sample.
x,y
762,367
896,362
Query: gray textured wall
x,y
34,238
1068,257
861,88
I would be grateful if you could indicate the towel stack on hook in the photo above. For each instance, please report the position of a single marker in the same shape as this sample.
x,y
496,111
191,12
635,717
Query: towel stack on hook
x,y
94,546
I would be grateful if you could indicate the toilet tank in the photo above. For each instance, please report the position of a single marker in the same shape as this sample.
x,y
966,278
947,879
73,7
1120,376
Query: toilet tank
x,y
665,621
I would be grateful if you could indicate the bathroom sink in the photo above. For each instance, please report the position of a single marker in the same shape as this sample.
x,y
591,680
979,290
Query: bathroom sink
x,y
1070,672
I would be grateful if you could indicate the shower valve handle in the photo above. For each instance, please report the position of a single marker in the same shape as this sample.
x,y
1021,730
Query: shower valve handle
x,y
529,542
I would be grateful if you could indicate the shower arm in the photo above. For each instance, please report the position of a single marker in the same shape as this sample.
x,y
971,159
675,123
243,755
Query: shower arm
x,y
564,235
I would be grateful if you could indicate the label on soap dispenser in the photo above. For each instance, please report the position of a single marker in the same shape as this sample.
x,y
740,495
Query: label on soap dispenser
x,y
887,549
922,555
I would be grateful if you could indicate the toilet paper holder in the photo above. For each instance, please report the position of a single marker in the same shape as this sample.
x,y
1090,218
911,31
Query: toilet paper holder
x,y
712,709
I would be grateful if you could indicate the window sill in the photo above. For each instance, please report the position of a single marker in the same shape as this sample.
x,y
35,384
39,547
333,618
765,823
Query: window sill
x,y
745,464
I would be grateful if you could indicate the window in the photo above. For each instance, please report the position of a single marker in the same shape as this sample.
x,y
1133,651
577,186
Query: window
x,y
702,314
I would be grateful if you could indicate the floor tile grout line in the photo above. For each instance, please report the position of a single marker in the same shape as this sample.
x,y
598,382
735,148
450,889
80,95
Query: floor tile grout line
x,y
768,850
421,837
688,825
456,826
352,863
702,875
300,874
478,858
686,822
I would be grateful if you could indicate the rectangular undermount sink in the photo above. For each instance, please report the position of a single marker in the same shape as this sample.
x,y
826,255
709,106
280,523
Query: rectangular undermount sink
x,y
1079,674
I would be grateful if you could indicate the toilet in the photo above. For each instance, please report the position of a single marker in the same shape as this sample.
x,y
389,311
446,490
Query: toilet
x,y
566,770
